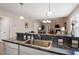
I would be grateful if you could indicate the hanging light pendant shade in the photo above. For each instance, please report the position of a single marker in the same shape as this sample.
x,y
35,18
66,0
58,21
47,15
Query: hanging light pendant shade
x,y
21,11
46,21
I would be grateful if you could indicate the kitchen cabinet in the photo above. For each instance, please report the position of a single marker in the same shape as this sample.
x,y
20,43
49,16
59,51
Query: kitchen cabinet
x,y
15,49
76,53
10,48
31,51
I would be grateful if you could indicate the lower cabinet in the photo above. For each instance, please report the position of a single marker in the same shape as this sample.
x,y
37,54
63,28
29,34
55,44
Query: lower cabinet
x,y
31,51
10,49
76,52
14,49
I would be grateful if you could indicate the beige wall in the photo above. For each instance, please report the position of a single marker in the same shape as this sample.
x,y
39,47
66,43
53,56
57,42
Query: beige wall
x,y
17,25
55,21
0,25
59,21
0,29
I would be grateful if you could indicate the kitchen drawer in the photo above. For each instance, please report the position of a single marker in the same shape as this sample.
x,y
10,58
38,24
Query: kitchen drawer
x,y
60,50
7,44
11,51
25,53
32,51
46,53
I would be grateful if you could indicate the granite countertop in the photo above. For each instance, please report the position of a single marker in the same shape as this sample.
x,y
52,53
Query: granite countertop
x,y
54,35
33,46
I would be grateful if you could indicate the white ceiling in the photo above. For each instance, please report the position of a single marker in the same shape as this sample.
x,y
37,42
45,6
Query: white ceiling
x,y
38,10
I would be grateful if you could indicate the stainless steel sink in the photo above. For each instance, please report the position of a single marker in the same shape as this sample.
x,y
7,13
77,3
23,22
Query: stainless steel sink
x,y
41,43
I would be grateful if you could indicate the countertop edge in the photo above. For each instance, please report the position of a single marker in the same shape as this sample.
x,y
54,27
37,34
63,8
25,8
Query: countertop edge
x,y
35,47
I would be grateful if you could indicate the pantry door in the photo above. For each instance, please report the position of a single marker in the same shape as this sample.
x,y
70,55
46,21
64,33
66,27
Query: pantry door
x,y
5,28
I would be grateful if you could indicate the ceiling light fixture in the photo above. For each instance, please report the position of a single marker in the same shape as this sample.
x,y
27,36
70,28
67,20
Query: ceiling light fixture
x,y
46,21
48,14
21,10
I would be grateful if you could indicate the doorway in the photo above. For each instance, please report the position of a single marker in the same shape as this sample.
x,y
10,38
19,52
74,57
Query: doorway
x,y
4,28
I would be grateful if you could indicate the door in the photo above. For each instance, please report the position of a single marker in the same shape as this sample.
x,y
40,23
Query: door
x,y
5,28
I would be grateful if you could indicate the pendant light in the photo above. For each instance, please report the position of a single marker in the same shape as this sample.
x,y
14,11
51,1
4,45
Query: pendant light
x,y
46,21
48,14
21,11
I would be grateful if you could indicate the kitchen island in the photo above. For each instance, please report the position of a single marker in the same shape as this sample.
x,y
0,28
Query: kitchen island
x,y
15,47
60,43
